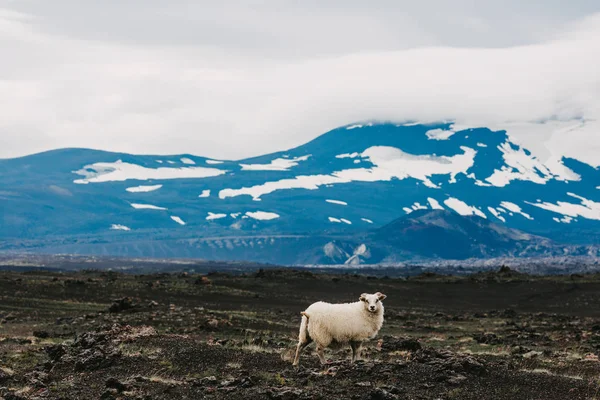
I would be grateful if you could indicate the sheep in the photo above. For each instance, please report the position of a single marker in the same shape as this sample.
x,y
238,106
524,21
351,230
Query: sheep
x,y
338,324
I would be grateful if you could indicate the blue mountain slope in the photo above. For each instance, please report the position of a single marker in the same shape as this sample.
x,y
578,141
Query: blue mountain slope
x,y
345,182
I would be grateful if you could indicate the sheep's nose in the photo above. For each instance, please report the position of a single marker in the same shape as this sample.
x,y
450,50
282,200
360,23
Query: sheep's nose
x,y
372,308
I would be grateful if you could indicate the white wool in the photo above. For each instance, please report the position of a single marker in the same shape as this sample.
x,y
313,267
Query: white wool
x,y
342,323
336,324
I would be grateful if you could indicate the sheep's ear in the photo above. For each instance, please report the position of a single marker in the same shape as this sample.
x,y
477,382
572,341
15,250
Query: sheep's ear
x,y
363,297
380,296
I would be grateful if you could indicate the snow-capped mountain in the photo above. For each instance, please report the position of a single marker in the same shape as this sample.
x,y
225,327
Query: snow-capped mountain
x,y
312,203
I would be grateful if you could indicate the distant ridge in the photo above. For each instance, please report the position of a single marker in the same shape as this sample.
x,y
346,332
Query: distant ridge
x,y
406,192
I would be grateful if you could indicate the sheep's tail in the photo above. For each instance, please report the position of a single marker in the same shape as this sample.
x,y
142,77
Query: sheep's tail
x,y
303,335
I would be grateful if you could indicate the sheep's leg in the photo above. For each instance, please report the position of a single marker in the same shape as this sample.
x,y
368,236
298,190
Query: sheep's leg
x,y
320,353
299,348
304,338
355,350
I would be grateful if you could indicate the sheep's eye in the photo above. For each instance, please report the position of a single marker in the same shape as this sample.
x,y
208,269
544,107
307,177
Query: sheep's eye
x,y
377,301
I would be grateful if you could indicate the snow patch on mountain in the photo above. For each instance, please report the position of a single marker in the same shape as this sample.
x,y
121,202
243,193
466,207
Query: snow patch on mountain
x,y
514,208
463,208
360,252
348,155
138,189
205,193
336,220
122,171
262,215
344,220
310,182
367,220
444,134
496,214
213,162
566,219
278,164
519,165
211,216
146,207
418,206
439,134
587,208
389,163
342,203
178,220
188,161
435,205
118,227
334,252
551,140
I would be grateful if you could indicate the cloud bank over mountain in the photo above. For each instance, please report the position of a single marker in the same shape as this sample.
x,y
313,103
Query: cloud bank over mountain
x,y
69,88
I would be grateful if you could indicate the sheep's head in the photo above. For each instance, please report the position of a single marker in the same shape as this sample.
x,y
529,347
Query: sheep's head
x,y
372,302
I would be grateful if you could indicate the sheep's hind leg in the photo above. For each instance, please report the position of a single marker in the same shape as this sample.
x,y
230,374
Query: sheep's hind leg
x,y
299,348
355,350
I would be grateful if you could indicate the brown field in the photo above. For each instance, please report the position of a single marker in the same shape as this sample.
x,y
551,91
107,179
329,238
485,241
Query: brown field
x,y
495,335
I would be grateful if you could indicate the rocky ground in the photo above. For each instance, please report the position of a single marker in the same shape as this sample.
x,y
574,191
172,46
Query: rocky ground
x,y
495,335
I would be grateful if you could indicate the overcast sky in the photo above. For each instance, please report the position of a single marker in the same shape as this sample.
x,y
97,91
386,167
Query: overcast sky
x,y
232,79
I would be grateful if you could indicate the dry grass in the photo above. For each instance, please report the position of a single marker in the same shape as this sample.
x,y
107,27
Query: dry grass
x,y
164,380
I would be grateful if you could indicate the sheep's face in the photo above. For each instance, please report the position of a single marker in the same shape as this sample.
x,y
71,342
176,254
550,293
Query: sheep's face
x,y
372,302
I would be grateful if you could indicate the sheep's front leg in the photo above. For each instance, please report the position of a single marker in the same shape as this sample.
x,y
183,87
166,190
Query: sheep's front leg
x,y
321,354
355,350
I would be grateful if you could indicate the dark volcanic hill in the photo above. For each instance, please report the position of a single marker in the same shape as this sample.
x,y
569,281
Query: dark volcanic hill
x,y
448,235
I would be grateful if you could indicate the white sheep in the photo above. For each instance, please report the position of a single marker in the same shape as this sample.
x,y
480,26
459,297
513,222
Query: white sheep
x,y
338,324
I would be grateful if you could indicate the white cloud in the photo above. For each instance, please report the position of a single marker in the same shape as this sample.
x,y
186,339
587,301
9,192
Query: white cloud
x,y
62,89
